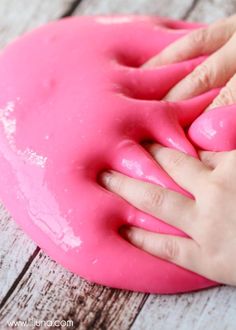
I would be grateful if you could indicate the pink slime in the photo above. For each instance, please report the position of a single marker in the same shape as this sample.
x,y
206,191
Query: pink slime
x,y
75,101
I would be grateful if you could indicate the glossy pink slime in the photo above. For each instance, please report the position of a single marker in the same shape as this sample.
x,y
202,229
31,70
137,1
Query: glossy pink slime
x,y
75,101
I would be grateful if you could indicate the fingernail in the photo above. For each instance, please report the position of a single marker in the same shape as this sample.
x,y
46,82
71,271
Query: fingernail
x,y
105,178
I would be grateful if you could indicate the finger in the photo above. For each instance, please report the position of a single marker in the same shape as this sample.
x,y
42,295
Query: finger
x,y
225,171
213,72
212,159
181,251
171,207
227,95
187,171
202,41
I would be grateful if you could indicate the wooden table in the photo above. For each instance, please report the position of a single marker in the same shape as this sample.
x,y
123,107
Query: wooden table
x,y
34,287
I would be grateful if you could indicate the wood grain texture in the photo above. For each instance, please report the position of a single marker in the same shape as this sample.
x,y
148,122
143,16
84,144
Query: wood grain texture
x,y
15,250
175,8
213,309
46,291
211,10
16,17
49,292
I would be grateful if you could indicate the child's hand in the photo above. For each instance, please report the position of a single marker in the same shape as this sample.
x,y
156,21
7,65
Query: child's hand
x,y
210,219
218,70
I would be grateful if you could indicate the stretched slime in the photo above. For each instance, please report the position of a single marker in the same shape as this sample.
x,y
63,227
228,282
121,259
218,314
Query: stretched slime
x,y
75,101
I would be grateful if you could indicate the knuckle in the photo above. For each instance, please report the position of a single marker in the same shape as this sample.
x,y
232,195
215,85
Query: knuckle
x,y
198,37
176,161
170,249
153,198
140,241
225,97
200,76
207,159
178,56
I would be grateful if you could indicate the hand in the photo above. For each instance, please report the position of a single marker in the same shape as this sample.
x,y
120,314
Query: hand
x,y
209,219
218,70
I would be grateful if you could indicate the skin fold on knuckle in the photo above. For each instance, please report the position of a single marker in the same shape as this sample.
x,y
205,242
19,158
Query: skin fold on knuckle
x,y
152,199
169,249
207,159
138,239
201,78
174,53
227,28
198,38
226,97
175,162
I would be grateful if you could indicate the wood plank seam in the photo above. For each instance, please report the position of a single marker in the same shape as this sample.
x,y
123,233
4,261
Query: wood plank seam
x,y
190,10
27,265
75,4
19,277
140,308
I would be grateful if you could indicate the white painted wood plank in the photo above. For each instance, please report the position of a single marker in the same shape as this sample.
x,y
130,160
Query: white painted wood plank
x,y
213,309
49,292
211,10
17,17
174,8
15,249
204,11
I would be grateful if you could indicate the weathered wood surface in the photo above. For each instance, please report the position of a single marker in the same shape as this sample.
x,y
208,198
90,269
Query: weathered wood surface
x,y
196,10
17,17
174,8
47,291
32,285
211,10
15,251
213,309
